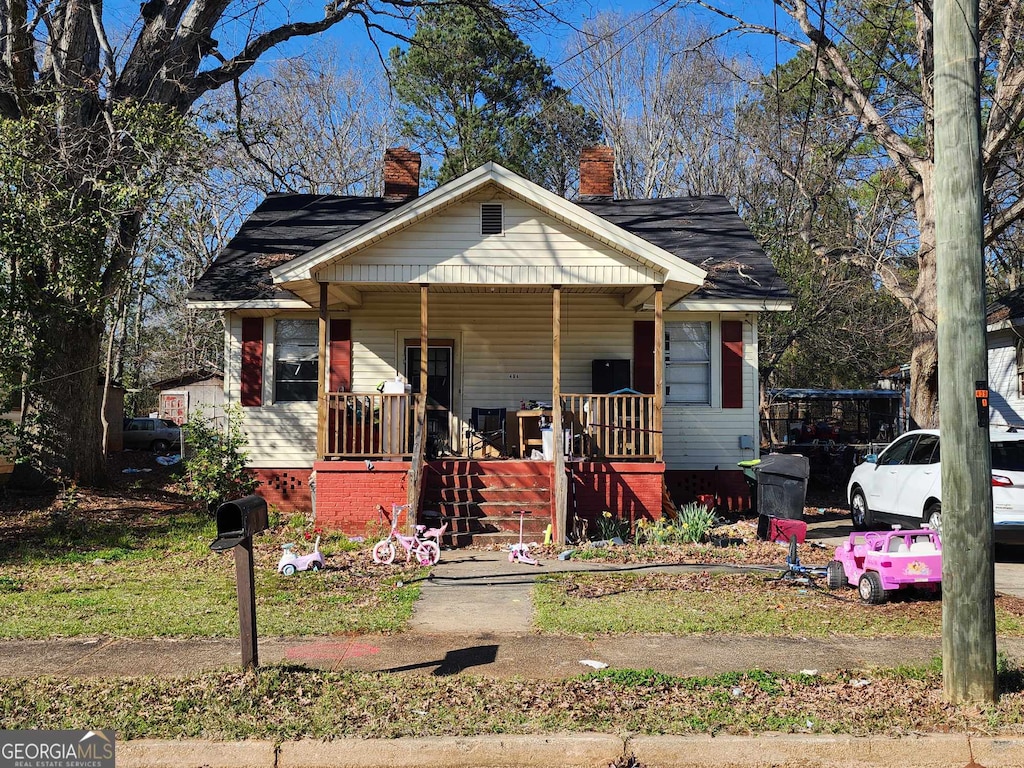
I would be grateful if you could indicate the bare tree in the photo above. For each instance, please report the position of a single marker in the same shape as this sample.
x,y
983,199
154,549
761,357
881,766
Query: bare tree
x,y
93,127
315,124
311,125
666,95
877,65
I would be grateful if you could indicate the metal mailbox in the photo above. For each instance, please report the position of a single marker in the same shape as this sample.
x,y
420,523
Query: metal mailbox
x,y
238,520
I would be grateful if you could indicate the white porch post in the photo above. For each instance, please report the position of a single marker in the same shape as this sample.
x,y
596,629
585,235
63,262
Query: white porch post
x,y
557,437
420,433
659,372
323,373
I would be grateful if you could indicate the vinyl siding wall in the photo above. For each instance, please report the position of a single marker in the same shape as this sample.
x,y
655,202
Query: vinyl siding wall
x,y
534,249
502,356
1007,406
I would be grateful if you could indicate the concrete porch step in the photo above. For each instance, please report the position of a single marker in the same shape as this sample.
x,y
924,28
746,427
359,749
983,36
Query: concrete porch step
x,y
489,494
492,538
533,525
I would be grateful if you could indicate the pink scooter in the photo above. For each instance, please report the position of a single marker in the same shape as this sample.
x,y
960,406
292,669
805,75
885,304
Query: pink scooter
x,y
520,553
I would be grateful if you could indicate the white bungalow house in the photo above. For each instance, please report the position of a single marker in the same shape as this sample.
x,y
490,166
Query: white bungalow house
x,y
637,318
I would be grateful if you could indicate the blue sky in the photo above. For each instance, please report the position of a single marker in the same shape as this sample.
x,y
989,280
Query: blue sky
x,y
547,41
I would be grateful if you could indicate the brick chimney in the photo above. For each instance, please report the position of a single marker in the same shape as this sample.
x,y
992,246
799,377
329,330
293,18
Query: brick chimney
x,y
401,173
597,173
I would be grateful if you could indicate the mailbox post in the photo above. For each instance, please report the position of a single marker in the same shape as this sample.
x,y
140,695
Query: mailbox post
x,y
237,522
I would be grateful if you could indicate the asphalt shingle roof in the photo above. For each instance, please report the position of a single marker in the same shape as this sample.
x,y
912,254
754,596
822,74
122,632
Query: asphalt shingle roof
x,y
1009,307
708,233
704,231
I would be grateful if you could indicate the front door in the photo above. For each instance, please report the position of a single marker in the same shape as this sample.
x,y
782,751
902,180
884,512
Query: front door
x,y
439,393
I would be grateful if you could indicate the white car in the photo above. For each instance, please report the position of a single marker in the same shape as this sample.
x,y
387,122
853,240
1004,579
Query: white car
x,y
901,485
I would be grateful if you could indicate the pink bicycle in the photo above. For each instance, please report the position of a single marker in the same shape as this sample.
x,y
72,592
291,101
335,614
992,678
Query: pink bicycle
x,y
426,549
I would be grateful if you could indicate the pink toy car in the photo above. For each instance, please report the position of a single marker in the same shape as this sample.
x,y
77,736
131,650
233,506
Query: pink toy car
x,y
879,562
290,562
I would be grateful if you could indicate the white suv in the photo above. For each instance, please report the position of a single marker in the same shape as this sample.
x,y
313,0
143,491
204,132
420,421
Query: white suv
x,y
901,485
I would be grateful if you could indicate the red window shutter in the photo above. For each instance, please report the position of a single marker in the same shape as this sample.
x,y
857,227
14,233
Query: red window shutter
x,y
341,356
732,363
643,356
252,361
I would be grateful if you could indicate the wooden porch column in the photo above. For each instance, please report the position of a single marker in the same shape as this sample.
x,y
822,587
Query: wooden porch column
x,y
659,372
322,374
557,438
420,434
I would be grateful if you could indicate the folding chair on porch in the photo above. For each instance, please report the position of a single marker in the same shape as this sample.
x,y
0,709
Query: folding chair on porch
x,y
487,430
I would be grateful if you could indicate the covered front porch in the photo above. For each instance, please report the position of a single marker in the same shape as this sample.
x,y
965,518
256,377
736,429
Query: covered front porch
x,y
440,453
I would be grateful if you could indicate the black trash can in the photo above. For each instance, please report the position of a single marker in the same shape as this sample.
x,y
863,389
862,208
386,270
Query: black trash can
x,y
782,485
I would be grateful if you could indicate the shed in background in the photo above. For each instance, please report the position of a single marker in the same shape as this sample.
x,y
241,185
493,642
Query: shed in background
x,y
183,395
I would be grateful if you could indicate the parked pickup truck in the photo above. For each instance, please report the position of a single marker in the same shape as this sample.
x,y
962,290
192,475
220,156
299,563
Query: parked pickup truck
x,y
159,435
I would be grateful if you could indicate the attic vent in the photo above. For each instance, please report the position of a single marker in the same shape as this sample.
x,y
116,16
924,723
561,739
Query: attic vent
x,y
492,219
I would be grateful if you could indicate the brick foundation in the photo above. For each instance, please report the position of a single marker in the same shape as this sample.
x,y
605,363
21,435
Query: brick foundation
x,y
286,489
347,494
728,485
629,490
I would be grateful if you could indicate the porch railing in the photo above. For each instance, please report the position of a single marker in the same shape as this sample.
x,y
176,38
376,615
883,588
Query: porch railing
x,y
612,426
381,426
373,425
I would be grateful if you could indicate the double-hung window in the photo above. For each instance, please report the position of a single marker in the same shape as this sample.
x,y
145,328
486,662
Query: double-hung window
x,y
688,363
296,359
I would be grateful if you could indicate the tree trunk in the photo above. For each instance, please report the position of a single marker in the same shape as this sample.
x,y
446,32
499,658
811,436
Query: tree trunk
x,y
924,359
63,407
924,368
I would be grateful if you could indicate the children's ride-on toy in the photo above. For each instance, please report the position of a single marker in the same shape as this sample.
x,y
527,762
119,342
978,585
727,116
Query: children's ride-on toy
x,y
880,562
290,562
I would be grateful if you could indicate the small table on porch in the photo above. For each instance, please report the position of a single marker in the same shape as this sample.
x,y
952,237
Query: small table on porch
x,y
529,429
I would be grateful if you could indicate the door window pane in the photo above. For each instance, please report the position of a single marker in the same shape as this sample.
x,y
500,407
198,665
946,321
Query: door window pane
x,y
924,451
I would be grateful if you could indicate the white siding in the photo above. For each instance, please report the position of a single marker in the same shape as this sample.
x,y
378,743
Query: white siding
x,y
706,437
281,435
1007,406
448,248
502,356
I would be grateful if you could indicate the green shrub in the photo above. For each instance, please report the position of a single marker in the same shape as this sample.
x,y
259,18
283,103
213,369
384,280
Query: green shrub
x,y
215,463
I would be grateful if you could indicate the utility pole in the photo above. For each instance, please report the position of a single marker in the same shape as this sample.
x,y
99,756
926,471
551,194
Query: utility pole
x,y
968,577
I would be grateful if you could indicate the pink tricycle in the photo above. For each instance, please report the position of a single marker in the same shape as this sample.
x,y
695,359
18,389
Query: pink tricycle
x,y
880,562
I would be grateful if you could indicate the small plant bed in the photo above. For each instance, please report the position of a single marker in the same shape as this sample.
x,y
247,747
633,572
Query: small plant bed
x,y
134,561
287,704
733,604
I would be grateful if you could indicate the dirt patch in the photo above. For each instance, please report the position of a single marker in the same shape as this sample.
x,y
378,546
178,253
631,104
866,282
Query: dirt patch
x,y
136,499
